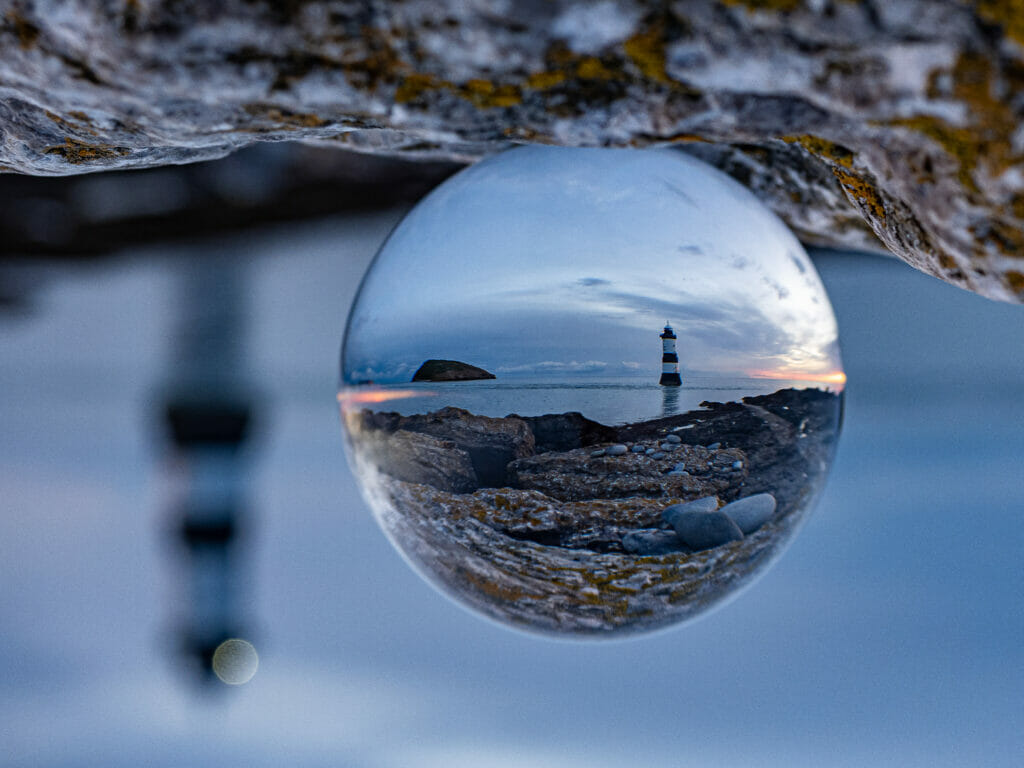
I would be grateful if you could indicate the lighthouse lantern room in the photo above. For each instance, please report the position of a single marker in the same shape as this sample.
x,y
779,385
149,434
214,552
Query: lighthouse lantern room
x,y
669,359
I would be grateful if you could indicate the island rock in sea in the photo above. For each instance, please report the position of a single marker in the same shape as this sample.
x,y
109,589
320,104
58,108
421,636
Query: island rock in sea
x,y
450,370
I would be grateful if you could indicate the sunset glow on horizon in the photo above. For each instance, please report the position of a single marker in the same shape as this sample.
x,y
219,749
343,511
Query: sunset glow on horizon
x,y
348,399
833,377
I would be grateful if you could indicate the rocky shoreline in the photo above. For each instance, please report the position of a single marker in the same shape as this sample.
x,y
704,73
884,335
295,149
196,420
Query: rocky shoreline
x,y
560,524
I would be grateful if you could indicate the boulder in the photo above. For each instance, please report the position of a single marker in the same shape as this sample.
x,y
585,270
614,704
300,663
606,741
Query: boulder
x,y
705,504
705,530
751,512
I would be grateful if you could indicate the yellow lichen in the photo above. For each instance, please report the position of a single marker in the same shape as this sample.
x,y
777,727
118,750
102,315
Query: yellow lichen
x,y
646,50
284,117
862,193
415,85
591,68
481,93
1015,281
823,148
541,81
493,590
986,140
1008,13
485,94
75,151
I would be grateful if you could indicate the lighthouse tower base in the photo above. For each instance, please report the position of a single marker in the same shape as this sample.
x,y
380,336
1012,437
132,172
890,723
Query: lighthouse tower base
x,y
670,380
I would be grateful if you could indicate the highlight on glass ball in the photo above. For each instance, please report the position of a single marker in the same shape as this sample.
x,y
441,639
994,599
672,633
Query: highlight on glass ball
x,y
591,392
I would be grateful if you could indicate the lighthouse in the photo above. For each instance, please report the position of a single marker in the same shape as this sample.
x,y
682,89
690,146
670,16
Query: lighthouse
x,y
669,359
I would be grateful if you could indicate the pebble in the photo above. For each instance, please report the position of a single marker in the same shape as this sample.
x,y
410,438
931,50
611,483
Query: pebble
x,y
668,446
651,541
673,439
705,530
705,504
737,465
680,467
714,446
658,455
598,452
751,512
649,452
616,450
638,449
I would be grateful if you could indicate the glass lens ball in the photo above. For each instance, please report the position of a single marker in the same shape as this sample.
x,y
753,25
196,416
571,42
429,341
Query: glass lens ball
x,y
591,392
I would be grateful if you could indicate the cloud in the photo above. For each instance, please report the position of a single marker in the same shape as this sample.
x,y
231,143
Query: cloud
x,y
588,282
555,366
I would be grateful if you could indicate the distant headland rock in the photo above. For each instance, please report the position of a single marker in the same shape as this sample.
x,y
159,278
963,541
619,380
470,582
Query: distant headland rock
x,y
450,370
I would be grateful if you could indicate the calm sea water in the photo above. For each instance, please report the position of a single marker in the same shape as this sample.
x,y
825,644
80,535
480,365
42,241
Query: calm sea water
x,y
609,401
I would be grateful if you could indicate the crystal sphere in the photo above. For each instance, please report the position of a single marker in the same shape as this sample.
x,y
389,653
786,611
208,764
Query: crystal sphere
x,y
591,392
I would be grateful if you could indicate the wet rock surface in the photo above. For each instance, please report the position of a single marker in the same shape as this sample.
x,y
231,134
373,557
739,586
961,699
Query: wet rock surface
x,y
868,125
581,544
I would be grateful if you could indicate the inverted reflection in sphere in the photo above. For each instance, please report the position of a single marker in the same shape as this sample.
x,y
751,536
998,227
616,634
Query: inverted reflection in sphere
x,y
591,392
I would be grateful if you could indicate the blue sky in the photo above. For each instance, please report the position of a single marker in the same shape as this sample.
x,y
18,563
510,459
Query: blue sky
x,y
570,261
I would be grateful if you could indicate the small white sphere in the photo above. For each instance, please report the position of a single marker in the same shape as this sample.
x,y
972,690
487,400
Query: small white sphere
x,y
235,661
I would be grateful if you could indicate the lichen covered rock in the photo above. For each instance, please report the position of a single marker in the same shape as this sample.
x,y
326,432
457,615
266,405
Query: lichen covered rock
x,y
868,125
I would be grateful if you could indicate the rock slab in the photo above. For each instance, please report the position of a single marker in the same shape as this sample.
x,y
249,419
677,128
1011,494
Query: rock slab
x,y
864,125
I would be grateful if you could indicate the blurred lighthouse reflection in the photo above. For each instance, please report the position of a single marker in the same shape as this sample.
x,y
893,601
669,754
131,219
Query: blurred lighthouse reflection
x,y
208,411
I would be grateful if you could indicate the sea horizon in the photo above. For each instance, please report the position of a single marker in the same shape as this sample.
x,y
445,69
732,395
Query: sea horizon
x,y
608,400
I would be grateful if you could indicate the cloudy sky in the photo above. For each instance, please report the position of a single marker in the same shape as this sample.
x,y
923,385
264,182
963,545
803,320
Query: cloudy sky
x,y
571,261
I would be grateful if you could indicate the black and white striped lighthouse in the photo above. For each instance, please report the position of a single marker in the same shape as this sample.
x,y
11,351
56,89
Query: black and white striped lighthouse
x,y
669,359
